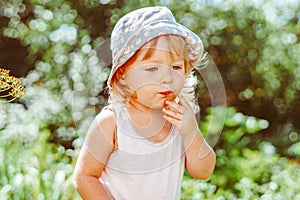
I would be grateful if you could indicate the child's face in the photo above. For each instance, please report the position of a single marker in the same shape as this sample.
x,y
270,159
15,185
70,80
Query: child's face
x,y
156,74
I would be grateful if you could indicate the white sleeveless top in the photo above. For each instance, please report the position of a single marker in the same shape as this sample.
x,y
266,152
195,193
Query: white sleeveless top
x,y
141,169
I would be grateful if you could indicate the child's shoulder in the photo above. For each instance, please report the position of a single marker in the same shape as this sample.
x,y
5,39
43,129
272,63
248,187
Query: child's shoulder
x,y
106,113
106,120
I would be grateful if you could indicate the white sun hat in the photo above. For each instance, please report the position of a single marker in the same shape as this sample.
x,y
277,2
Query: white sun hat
x,y
138,27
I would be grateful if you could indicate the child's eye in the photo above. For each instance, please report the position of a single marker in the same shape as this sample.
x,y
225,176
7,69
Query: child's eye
x,y
152,69
176,67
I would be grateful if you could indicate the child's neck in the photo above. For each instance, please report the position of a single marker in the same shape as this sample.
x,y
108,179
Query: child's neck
x,y
143,116
150,123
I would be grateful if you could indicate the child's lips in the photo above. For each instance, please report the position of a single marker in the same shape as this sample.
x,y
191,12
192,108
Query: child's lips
x,y
166,93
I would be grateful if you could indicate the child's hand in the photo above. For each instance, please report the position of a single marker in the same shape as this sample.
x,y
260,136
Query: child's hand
x,y
182,116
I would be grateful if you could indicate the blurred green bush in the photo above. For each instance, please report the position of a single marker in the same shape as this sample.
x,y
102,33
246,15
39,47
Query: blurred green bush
x,y
37,169
241,172
255,45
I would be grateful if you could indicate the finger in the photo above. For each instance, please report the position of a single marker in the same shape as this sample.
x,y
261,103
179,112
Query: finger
x,y
173,114
171,105
173,121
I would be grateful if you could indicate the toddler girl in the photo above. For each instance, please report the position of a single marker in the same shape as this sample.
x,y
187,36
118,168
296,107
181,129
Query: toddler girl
x,y
138,146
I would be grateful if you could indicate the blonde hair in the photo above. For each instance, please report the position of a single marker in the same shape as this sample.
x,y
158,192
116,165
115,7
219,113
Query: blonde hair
x,y
119,93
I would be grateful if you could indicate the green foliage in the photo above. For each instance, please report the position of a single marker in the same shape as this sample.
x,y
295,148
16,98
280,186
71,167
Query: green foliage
x,y
255,44
241,172
36,169
247,178
238,129
233,144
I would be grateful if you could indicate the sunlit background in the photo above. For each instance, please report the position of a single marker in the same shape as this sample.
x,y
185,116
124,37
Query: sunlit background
x,y
54,47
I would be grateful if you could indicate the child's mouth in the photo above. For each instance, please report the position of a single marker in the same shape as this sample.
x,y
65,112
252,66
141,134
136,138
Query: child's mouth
x,y
166,93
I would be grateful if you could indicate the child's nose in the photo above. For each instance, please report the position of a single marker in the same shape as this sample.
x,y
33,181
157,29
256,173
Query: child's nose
x,y
166,75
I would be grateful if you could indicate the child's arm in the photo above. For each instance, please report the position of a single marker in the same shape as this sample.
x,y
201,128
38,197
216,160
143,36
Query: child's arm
x,y
93,156
200,157
87,173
